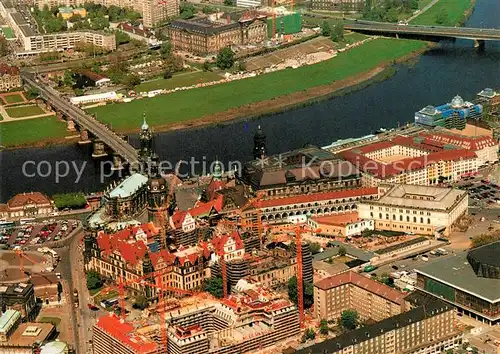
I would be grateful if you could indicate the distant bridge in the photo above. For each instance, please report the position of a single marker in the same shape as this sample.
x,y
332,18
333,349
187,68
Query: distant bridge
x,y
432,33
85,121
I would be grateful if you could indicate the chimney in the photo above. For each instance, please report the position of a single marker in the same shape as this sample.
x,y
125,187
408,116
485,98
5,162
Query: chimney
x,y
228,19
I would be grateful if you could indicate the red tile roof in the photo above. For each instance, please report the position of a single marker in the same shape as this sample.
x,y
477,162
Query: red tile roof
x,y
214,186
382,170
219,241
465,142
124,242
124,333
9,70
20,200
178,218
309,198
202,209
379,145
363,282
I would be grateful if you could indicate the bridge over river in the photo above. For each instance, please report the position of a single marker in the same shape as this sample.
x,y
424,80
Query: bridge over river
x,y
86,122
432,33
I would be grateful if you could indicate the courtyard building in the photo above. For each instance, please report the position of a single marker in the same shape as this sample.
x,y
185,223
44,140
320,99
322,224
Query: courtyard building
x,y
422,210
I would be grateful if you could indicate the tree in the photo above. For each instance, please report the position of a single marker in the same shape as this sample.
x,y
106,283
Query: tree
x,y
167,74
484,239
131,80
315,247
166,49
326,30
187,11
93,280
68,79
228,2
206,66
4,47
140,302
122,37
309,334
308,292
337,33
207,9
323,327
349,319
214,287
242,66
342,251
442,17
387,280
32,93
225,58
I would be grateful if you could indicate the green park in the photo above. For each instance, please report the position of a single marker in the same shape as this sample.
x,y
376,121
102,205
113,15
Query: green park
x,y
32,131
444,13
188,105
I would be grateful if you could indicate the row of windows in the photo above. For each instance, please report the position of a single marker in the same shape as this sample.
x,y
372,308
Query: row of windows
x,y
401,218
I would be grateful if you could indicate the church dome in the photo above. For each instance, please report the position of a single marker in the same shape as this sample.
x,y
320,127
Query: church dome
x,y
457,102
145,125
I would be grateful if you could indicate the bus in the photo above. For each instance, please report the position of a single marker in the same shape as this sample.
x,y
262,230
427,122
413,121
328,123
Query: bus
x,y
6,224
26,221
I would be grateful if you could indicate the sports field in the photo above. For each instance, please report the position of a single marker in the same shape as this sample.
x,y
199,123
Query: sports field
x,y
24,111
13,98
192,104
31,131
454,9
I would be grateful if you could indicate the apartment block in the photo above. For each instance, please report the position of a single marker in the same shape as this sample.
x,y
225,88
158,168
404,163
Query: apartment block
x,y
371,299
427,328
338,5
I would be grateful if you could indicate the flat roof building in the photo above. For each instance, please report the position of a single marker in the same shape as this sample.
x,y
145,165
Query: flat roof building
x,y
468,280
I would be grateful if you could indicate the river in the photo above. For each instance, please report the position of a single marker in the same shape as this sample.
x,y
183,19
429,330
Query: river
x,y
435,78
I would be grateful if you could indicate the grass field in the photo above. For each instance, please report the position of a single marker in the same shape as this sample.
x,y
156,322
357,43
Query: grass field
x,y
354,37
423,3
8,32
455,10
187,105
180,80
24,111
13,99
31,131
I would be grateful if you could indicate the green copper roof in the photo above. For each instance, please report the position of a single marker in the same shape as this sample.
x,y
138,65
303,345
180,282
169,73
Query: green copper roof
x,y
128,186
8,319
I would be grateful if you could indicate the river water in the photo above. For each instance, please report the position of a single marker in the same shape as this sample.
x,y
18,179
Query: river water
x,y
435,78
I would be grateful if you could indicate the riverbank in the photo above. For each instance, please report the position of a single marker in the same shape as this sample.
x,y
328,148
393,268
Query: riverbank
x,y
260,95
446,13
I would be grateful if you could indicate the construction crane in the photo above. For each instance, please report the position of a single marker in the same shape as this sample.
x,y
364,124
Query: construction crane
x,y
298,229
273,3
20,253
255,202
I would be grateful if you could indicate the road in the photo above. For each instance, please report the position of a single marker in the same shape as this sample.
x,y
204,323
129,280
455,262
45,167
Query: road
x,y
71,268
101,131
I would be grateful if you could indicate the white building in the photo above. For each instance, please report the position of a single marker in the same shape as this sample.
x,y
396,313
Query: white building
x,y
98,97
421,210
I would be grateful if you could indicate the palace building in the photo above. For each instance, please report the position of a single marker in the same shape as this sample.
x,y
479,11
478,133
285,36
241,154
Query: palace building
x,y
298,172
209,34
30,204
422,210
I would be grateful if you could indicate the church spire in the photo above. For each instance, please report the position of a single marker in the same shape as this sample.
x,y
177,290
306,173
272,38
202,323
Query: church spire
x,y
217,170
145,125
259,144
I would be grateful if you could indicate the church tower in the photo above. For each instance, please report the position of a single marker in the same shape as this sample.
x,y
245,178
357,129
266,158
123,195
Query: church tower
x,y
146,138
157,190
259,144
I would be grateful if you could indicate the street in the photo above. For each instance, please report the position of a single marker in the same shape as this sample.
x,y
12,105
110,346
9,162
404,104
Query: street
x,y
71,268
